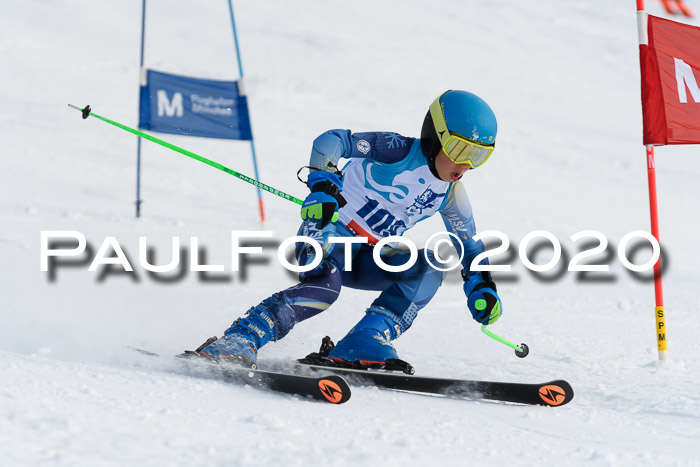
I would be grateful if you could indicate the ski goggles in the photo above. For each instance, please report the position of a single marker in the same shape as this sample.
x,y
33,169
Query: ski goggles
x,y
459,149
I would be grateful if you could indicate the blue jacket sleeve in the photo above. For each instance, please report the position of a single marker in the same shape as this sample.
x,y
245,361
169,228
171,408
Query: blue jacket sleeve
x,y
459,220
379,146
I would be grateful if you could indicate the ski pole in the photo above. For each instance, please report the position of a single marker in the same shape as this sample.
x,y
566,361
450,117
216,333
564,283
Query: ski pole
x,y
521,351
87,111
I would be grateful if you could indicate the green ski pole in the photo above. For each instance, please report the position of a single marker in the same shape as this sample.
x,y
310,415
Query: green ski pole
x,y
521,351
87,111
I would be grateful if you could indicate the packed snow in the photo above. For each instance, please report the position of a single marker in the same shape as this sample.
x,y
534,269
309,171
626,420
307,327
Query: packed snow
x,y
563,79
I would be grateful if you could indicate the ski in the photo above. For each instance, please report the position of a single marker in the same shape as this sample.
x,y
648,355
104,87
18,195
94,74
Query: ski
x,y
553,393
399,375
330,388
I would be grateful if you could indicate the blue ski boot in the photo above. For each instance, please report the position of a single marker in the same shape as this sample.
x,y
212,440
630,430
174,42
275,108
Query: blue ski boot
x,y
368,344
240,342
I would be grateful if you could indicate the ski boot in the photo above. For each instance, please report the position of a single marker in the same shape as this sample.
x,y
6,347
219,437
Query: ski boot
x,y
241,341
368,345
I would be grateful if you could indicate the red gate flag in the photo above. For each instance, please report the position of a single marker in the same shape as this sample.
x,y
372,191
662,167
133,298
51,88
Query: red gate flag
x,y
670,94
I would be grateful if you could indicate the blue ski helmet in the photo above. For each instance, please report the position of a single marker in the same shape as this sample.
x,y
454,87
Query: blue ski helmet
x,y
466,115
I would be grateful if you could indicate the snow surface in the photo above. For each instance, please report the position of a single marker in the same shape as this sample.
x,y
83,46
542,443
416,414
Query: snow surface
x,y
563,78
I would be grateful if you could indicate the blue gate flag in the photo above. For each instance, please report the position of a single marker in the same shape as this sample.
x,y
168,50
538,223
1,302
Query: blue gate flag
x,y
195,107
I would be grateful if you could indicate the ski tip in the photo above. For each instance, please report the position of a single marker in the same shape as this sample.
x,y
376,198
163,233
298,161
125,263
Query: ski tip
x,y
556,393
334,388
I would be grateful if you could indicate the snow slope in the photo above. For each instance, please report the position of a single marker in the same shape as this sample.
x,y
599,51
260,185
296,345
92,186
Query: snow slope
x,y
563,79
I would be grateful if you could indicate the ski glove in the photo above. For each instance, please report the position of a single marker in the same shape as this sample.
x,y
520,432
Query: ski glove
x,y
482,299
325,199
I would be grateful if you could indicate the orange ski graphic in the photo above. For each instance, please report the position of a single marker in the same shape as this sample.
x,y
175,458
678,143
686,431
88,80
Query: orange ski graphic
x,y
552,394
331,391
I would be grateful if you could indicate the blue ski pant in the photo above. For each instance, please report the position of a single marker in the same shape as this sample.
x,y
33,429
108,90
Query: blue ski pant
x,y
402,295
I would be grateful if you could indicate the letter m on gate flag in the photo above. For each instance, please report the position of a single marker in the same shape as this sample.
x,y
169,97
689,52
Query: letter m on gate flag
x,y
670,72
193,107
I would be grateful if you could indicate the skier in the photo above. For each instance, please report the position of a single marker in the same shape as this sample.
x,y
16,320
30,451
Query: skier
x,y
389,184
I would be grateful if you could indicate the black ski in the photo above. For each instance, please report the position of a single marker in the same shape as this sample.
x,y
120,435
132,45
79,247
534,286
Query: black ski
x,y
553,394
331,388
399,375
